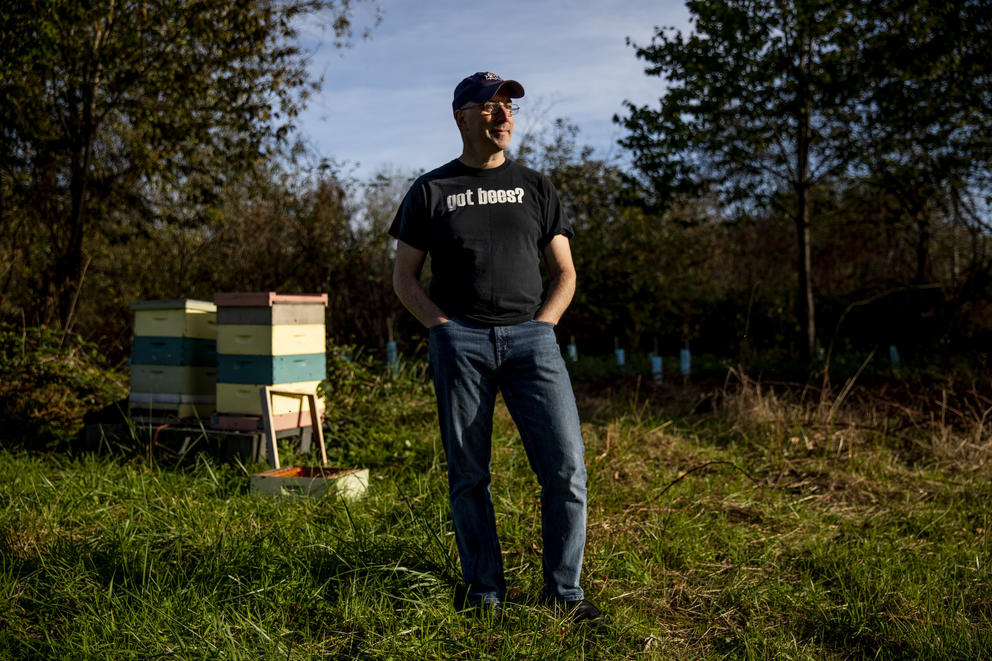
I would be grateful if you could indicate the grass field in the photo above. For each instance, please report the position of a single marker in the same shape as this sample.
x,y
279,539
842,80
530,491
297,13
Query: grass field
x,y
739,520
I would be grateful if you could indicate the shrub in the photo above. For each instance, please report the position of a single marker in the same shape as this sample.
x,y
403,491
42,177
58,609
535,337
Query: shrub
x,y
49,380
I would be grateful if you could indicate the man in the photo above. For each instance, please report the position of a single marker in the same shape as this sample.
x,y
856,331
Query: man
x,y
486,222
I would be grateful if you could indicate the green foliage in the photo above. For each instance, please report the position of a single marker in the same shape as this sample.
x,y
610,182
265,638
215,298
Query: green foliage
x,y
48,381
366,404
269,231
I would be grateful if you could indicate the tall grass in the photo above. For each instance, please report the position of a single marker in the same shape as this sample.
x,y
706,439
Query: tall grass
x,y
772,522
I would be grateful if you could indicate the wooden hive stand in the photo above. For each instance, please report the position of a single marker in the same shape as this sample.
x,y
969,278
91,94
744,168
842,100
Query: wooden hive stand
x,y
268,423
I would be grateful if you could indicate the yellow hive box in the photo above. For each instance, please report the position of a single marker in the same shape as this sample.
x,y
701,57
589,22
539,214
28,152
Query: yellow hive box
x,y
175,318
246,398
280,340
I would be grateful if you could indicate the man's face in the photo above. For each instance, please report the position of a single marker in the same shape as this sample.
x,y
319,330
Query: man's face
x,y
483,131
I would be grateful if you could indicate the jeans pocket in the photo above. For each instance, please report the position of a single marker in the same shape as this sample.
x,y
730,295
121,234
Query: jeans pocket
x,y
440,326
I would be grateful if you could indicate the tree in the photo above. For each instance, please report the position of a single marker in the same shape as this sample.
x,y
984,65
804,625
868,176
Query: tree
x,y
384,317
109,108
758,101
927,109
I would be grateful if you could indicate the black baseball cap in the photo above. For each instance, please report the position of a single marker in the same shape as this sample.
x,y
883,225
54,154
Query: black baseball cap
x,y
483,86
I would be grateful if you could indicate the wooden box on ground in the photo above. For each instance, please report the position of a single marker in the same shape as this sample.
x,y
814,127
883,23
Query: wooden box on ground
x,y
312,481
174,379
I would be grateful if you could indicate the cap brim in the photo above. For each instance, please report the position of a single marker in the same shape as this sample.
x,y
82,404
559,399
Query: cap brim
x,y
486,91
513,89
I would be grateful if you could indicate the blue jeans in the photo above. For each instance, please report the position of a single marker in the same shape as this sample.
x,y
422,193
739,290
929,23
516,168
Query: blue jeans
x,y
470,364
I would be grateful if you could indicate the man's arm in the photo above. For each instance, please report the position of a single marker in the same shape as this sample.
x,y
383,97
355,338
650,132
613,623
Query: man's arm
x,y
561,288
406,284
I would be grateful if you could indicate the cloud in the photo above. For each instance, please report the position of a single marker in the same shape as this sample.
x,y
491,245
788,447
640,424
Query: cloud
x,y
387,100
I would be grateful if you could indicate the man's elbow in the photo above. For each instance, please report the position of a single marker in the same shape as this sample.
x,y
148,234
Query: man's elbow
x,y
567,277
403,283
398,284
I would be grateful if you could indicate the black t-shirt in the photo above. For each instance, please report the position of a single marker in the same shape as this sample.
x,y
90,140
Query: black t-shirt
x,y
484,231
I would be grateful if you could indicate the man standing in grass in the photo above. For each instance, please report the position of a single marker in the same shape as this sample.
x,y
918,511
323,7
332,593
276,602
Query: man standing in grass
x,y
486,221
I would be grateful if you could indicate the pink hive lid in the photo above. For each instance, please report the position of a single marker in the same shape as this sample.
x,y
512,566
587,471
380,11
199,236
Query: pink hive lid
x,y
266,299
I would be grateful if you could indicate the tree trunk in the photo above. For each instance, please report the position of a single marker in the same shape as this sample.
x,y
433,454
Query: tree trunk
x,y
922,247
69,268
801,184
804,302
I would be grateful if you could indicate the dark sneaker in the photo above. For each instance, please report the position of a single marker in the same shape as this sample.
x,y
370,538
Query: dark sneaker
x,y
582,610
489,611
490,608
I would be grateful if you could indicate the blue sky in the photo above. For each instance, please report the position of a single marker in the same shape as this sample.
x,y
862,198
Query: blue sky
x,y
386,101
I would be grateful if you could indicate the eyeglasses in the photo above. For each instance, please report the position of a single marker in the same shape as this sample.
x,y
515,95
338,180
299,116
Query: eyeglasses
x,y
490,107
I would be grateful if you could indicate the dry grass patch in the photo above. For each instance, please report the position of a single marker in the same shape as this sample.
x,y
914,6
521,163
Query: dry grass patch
x,y
950,426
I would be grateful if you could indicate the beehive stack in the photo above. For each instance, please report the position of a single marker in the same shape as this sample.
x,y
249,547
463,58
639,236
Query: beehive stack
x,y
268,339
173,359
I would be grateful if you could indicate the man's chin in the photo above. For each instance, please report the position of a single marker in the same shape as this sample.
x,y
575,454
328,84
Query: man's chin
x,y
503,142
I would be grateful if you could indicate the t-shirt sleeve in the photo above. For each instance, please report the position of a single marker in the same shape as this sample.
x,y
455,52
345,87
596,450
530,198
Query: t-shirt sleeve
x,y
411,225
557,221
